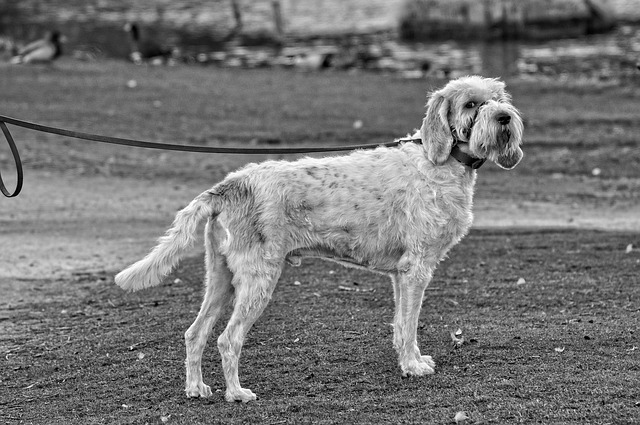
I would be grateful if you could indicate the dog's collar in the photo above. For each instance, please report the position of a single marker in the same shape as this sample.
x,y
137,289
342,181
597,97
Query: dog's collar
x,y
464,158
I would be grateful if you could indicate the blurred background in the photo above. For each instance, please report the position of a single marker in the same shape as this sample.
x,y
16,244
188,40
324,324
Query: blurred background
x,y
414,38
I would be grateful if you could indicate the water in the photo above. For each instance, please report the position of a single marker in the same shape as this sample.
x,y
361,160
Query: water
x,y
602,56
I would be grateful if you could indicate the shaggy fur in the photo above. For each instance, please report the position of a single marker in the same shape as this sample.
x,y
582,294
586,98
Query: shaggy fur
x,y
395,211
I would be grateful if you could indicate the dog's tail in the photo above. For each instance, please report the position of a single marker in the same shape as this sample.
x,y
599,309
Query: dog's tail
x,y
171,247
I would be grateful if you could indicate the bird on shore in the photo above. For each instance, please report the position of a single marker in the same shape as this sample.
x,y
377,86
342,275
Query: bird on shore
x,y
8,48
45,50
145,49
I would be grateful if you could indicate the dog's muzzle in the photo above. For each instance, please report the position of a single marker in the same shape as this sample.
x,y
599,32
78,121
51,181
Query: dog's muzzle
x,y
504,135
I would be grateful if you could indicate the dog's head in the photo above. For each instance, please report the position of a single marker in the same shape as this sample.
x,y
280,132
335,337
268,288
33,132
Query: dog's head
x,y
476,110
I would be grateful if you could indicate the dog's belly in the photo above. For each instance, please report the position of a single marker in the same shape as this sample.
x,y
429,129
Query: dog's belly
x,y
370,238
386,263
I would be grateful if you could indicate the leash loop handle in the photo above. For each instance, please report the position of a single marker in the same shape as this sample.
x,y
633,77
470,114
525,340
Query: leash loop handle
x,y
16,159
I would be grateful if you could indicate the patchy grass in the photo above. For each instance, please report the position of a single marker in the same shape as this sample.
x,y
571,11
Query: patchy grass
x,y
202,106
560,348
569,128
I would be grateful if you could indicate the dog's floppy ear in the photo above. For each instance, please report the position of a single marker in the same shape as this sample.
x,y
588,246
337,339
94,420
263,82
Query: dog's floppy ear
x,y
435,132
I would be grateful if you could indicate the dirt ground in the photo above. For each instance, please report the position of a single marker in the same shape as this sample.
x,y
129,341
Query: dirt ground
x,y
551,331
544,287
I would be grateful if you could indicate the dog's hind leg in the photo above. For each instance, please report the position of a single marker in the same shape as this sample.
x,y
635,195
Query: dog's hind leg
x,y
408,292
218,294
253,292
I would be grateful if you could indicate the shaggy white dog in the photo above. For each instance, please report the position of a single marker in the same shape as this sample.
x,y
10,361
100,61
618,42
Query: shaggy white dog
x,y
395,211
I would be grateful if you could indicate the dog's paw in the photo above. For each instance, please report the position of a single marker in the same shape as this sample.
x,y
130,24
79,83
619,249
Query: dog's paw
x,y
198,390
244,395
417,368
428,361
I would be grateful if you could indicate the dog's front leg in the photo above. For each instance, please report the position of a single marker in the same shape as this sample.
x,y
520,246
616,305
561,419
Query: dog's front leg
x,y
409,289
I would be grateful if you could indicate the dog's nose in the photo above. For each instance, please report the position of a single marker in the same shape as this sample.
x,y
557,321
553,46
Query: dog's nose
x,y
504,119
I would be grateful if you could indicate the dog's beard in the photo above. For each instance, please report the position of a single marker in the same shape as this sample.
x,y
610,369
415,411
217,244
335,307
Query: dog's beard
x,y
505,152
503,136
509,158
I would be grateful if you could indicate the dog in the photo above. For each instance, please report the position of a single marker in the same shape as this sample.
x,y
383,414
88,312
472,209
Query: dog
x,y
390,210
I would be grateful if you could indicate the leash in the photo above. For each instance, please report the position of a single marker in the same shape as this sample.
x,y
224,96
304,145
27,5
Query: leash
x,y
153,145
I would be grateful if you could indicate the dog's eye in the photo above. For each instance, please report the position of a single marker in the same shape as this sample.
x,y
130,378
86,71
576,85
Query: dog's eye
x,y
470,105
